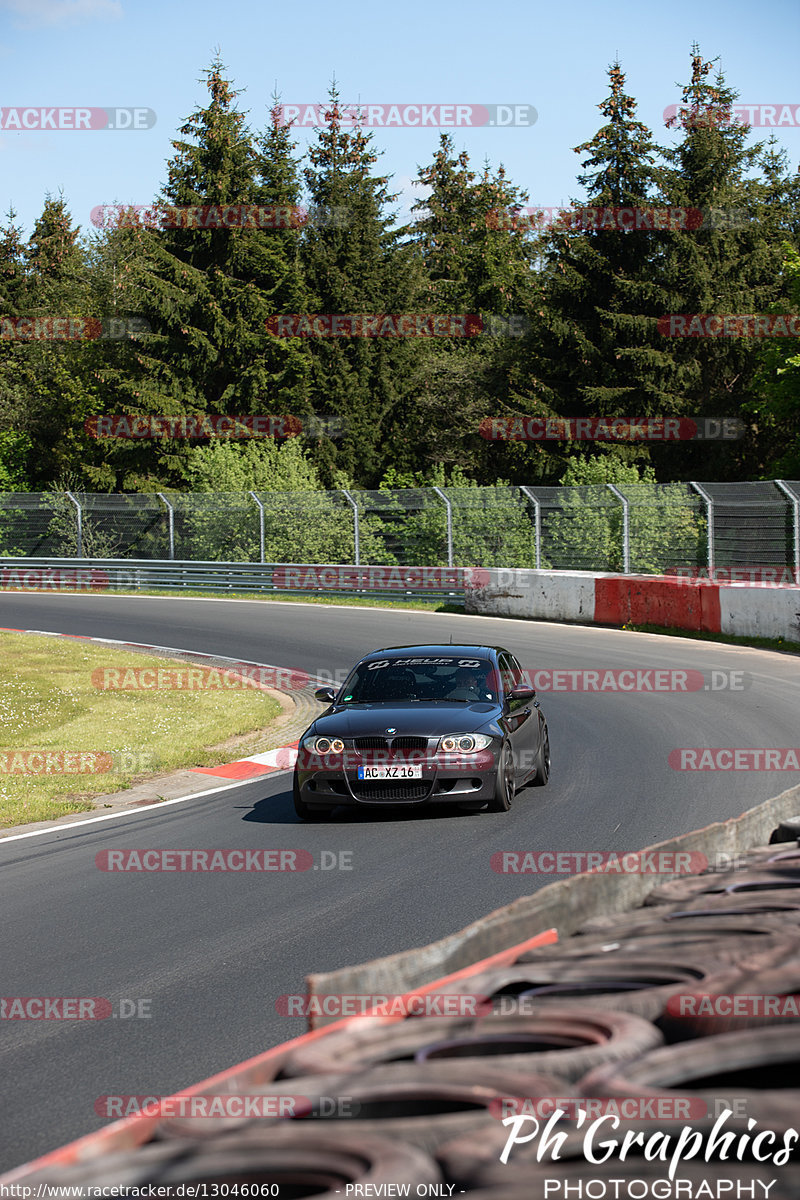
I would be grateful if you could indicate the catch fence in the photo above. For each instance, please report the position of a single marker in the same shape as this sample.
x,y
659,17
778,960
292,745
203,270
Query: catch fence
x,y
644,528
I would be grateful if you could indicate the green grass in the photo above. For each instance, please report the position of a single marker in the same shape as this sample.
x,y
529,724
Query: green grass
x,y
291,598
49,704
724,638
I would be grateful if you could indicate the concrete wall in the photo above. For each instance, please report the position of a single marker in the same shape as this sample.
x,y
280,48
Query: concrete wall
x,y
739,609
772,612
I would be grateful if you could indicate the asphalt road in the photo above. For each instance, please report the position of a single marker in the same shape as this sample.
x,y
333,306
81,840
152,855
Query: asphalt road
x,y
213,952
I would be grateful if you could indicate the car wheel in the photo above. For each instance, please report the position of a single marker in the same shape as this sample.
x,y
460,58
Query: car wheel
x,y
542,761
504,782
306,812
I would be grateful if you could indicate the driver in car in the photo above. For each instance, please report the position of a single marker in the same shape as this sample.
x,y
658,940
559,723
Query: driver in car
x,y
468,684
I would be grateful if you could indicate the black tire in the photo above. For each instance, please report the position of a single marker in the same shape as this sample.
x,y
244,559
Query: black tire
x,y
307,812
724,908
756,1066
559,1043
504,782
728,941
416,1103
767,983
770,877
542,761
640,984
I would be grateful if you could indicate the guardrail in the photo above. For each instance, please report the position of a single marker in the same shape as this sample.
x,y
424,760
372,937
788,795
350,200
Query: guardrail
x,y
313,579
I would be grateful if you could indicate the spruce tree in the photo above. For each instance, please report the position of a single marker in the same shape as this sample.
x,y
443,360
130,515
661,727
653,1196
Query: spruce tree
x,y
730,265
477,261
206,288
355,264
47,379
596,351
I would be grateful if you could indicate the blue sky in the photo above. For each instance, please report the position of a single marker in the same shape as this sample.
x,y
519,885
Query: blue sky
x,y
142,53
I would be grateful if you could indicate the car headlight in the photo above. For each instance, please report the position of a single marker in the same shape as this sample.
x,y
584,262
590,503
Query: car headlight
x,y
323,745
466,743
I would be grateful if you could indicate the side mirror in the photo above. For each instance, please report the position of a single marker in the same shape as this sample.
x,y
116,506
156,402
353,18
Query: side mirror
x,y
325,695
523,692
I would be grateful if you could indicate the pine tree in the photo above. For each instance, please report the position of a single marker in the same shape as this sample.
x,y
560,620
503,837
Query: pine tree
x,y
46,381
476,262
601,284
730,265
596,350
356,265
13,291
206,289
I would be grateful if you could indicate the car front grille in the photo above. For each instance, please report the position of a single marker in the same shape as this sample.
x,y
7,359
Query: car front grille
x,y
394,790
394,743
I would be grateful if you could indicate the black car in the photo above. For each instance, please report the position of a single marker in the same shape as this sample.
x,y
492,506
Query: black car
x,y
417,725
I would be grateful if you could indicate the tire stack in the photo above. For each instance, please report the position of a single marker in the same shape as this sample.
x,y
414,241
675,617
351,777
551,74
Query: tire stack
x,y
607,1015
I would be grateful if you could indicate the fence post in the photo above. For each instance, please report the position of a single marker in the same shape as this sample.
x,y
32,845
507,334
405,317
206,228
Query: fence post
x,y
171,520
442,496
795,503
710,521
79,512
356,537
626,529
260,525
537,524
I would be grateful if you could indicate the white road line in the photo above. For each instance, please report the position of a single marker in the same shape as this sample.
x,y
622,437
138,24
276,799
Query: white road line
x,y
131,812
140,812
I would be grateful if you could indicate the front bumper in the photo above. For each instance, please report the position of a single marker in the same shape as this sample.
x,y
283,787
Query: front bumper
x,y
442,778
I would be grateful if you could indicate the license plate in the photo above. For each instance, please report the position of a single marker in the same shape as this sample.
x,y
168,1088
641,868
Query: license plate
x,y
390,772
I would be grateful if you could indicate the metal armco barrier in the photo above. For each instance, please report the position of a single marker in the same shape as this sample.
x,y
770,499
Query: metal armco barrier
x,y
95,575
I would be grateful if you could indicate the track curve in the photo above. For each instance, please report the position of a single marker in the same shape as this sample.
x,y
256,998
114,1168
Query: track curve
x,y
213,952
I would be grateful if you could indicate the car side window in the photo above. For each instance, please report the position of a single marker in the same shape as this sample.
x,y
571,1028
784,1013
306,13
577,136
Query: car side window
x,y
521,677
506,674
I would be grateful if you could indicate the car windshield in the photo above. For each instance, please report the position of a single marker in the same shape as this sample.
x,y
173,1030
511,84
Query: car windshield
x,y
388,680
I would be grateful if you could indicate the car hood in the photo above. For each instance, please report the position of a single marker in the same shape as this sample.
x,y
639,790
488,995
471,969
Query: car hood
x,y
420,720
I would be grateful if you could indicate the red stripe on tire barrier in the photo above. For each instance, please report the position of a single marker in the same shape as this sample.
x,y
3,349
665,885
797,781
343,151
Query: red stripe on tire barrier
x,y
622,600
129,1132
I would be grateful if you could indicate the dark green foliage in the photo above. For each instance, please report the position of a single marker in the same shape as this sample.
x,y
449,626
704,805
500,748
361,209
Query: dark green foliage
x,y
582,307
